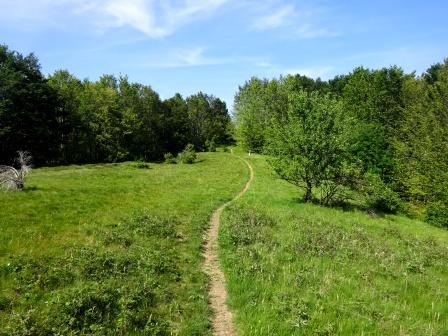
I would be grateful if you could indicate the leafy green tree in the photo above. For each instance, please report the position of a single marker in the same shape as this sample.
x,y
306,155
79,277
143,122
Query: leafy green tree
x,y
299,82
142,120
422,144
258,101
250,116
432,73
30,116
437,171
309,144
374,99
337,84
176,128
208,118
413,158
99,112
255,104
148,140
69,89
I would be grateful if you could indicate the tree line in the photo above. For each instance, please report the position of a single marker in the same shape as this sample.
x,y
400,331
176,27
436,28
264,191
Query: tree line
x,y
61,119
382,133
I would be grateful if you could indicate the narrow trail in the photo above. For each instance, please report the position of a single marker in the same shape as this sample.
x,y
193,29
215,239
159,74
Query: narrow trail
x,y
222,320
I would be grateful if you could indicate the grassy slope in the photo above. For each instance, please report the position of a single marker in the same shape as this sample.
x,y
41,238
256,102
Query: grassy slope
x,y
300,269
69,214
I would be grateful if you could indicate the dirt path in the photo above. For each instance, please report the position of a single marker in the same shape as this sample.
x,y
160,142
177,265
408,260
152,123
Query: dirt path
x,y
222,319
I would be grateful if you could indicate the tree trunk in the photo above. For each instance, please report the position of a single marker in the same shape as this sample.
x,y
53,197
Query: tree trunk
x,y
308,192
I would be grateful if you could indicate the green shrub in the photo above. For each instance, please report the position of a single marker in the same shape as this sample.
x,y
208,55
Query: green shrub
x,y
188,155
39,272
141,165
5,303
169,158
210,145
379,196
437,214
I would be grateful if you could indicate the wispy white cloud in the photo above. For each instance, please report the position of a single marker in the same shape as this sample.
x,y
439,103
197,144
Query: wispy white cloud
x,y
304,23
134,13
188,57
162,18
157,18
154,18
283,16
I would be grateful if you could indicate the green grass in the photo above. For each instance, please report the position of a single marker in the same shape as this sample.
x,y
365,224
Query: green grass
x,y
301,269
111,249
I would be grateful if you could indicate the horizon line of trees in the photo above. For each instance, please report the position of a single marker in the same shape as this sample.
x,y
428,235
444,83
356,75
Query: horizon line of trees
x,y
61,119
380,132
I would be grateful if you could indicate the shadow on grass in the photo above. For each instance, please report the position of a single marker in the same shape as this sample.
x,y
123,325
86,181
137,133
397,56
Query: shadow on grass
x,y
30,189
345,206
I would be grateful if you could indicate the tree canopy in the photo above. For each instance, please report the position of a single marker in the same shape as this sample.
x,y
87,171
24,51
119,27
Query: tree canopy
x,y
62,119
397,125
308,144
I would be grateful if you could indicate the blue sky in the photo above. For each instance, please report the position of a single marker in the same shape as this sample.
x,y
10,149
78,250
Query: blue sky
x,y
214,46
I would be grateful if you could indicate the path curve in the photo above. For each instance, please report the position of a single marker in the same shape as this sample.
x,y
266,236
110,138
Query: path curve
x,y
222,317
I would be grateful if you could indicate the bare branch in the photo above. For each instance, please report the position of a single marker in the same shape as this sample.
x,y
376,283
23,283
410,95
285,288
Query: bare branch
x,y
12,178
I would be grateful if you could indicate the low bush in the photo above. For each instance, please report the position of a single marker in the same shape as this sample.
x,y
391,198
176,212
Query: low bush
x,y
141,165
5,303
169,158
437,214
210,145
379,196
188,155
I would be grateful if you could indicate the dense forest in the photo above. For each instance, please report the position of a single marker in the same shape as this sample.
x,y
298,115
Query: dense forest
x,y
382,133
61,119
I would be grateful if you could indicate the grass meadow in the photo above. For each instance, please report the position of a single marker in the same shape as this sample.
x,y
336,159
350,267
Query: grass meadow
x,y
111,249
115,249
301,269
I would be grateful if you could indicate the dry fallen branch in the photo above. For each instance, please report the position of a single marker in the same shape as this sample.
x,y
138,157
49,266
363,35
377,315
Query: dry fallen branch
x,y
12,178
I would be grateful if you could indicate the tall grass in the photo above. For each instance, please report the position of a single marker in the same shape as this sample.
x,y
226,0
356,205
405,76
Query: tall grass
x,y
111,249
301,269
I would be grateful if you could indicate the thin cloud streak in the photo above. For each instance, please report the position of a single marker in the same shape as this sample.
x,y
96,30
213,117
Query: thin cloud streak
x,y
283,16
182,58
158,19
154,18
298,23
197,56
